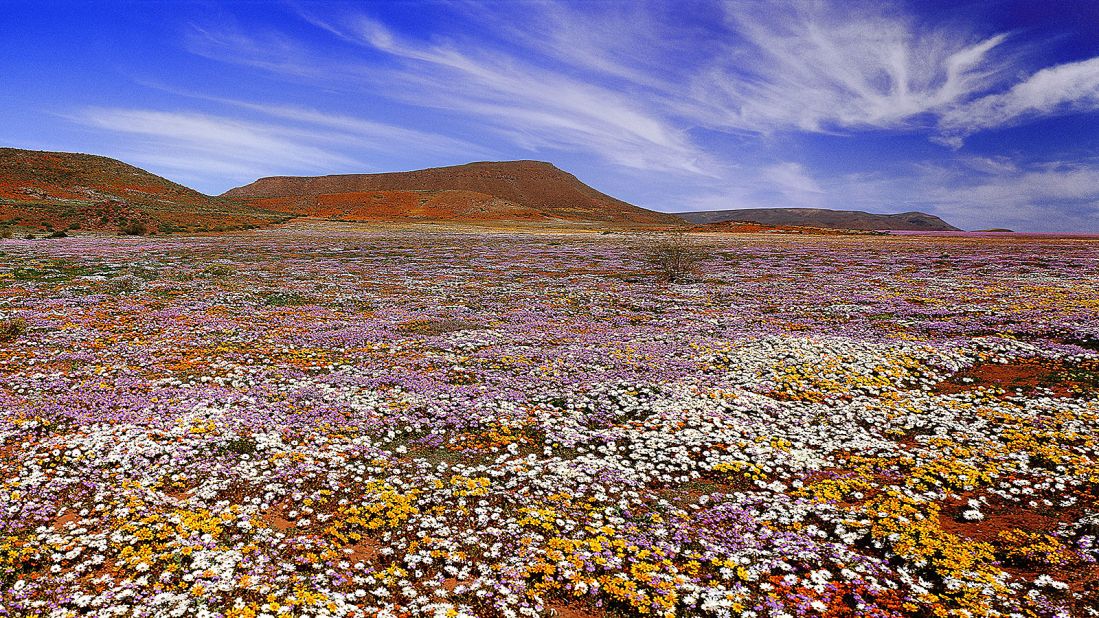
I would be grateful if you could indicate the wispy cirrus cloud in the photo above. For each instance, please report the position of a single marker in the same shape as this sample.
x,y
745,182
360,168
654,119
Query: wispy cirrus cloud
x,y
1064,88
188,142
555,79
220,148
794,182
643,94
981,192
536,96
532,105
817,67
362,133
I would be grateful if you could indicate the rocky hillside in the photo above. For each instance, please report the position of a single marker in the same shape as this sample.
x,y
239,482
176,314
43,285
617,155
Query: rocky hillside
x,y
61,190
825,218
486,191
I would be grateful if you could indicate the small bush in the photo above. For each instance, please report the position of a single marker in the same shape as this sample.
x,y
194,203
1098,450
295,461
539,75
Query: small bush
x,y
57,234
240,446
144,273
12,328
285,299
219,270
675,255
126,283
134,228
6,232
74,226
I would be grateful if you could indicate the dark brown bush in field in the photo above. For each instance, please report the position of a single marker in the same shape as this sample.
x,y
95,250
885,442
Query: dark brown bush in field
x,y
134,228
12,328
675,255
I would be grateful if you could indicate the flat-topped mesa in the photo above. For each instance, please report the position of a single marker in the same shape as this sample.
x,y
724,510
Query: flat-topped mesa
x,y
525,190
59,190
825,218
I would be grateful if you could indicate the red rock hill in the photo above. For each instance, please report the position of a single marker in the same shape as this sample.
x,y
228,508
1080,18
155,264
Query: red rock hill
x,y
489,191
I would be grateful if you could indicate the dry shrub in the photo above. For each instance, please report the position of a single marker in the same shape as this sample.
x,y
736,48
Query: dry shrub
x,y
12,328
676,256
134,228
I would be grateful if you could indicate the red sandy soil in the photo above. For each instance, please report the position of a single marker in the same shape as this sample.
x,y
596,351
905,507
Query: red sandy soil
x,y
1000,516
530,186
67,518
1027,374
402,205
274,519
364,551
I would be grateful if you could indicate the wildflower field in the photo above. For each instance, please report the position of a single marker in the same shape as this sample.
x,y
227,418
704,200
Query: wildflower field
x,y
346,422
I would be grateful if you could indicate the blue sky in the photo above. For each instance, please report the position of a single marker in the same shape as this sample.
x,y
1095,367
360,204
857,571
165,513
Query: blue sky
x,y
985,113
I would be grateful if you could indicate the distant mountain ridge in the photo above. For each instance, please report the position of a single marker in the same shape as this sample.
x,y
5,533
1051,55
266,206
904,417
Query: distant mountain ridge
x,y
501,190
58,190
826,218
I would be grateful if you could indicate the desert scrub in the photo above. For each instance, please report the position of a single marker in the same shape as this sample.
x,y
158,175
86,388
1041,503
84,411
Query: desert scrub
x,y
245,445
676,256
219,270
12,328
144,273
133,228
285,299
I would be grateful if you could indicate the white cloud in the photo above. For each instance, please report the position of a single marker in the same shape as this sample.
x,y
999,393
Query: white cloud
x,y
537,97
1066,87
550,76
365,134
793,181
534,106
978,193
820,68
193,144
969,192
697,111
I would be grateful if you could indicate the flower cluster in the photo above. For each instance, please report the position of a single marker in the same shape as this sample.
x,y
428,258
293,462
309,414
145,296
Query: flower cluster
x,y
323,422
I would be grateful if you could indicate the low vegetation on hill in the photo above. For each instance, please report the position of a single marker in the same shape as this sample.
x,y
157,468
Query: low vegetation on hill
x,y
43,192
